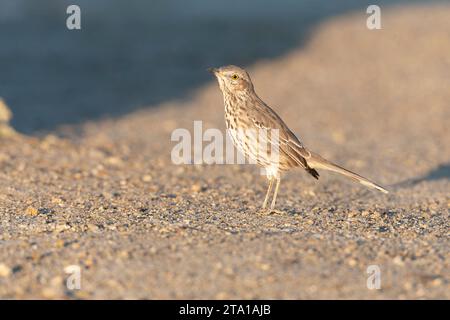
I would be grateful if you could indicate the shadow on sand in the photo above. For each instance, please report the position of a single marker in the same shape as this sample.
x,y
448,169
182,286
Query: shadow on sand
x,y
440,173
133,54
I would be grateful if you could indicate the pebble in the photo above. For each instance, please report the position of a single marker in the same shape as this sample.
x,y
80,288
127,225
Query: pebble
x,y
352,262
264,266
398,261
61,227
5,271
31,211
114,161
147,178
365,213
5,112
436,282
59,243
92,227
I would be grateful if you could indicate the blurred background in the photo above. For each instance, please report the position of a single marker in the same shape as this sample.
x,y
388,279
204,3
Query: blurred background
x,y
134,54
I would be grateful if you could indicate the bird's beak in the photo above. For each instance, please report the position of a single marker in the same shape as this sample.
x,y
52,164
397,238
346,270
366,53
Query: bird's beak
x,y
213,70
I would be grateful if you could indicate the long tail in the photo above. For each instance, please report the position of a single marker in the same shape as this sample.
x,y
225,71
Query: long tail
x,y
317,162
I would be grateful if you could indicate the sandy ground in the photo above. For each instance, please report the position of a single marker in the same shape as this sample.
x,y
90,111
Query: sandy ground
x,y
106,197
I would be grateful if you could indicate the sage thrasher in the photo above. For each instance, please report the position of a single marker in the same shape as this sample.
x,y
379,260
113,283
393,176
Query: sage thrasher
x,y
246,113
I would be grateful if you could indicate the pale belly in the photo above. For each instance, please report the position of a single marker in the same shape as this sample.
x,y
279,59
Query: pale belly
x,y
255,145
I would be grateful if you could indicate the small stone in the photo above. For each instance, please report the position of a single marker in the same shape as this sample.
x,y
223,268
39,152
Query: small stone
x,y
59,243
229,271
92,227
264,266
147,178
376,215
398,261
5,116
407,285
32,211
82,295
88,262
114,161
352,214
436,282
45,211
17,268
61,227
5,113
352,262
58,201
5,271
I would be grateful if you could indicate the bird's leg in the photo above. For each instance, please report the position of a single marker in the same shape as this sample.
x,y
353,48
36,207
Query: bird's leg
x,y
272,206
268,193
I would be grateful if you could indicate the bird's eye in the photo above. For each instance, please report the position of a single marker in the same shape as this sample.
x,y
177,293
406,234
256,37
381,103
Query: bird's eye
x,y
234,77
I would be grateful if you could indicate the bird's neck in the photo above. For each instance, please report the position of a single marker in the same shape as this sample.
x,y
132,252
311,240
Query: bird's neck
x,y
237,98
233,101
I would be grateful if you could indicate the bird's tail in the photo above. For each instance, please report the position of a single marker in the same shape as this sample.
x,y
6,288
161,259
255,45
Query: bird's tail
x,y
317,162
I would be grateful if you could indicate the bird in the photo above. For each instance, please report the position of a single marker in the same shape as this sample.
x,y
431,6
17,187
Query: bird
x,y
246,113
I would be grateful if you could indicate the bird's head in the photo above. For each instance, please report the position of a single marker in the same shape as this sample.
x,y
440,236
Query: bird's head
x,y
232,79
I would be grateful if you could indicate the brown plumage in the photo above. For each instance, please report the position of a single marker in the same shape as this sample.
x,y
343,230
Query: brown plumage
x,y
260,134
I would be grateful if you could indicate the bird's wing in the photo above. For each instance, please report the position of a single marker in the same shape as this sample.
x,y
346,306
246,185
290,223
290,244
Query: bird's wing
x,y
287,142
